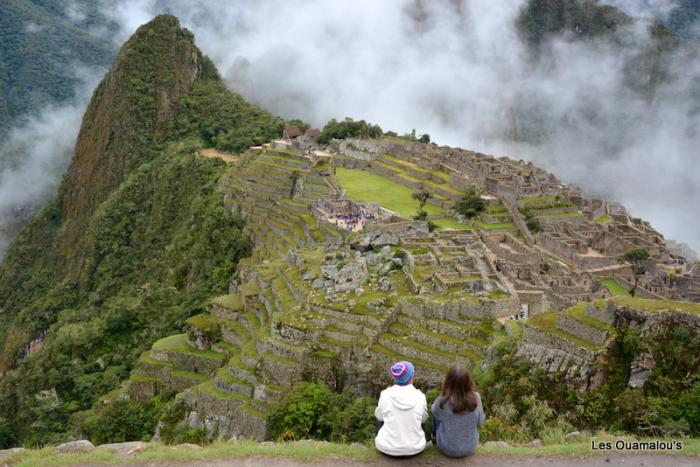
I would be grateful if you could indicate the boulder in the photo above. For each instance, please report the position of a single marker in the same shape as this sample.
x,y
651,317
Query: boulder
x,y
352,275
329,271
361,243
536,443
385,239
73,447
373,259
638,376
385,284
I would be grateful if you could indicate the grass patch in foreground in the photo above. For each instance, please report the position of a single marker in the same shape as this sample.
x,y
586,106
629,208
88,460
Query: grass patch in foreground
x,y
364,186
311,451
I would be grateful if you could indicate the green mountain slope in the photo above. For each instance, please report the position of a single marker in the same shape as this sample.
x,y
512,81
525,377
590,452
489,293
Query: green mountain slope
x,y
136,240
41,51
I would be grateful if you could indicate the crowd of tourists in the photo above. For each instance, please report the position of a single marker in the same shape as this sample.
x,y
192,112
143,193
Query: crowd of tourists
x,y
402,410
353,222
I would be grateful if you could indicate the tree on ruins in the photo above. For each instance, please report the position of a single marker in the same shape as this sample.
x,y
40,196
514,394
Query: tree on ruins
x,y
637,259
422,197
471,204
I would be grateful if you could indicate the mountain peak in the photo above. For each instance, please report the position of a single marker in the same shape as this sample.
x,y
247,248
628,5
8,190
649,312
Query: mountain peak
x,y
125,121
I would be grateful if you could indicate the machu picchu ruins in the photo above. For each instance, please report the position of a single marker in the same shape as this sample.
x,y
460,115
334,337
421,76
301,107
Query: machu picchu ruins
x,y
343,280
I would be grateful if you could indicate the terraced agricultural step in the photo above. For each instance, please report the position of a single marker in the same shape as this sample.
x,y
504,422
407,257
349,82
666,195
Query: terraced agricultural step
x,y
238,369
227,383
282,349
472,329
425,370
280,371
283,296
365,320
440,342
177,351
415,350
149,366
234,332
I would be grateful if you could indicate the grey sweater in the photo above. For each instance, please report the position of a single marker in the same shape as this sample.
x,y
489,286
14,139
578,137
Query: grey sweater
x,y
457,434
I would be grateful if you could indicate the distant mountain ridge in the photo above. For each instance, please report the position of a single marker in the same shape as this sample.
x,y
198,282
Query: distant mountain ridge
x,y
41,51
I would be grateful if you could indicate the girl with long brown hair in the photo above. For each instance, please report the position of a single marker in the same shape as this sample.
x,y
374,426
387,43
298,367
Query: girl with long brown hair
x,y
457,414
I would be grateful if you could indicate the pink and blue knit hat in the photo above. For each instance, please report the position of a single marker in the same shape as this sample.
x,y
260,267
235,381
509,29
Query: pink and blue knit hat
x,y
402,372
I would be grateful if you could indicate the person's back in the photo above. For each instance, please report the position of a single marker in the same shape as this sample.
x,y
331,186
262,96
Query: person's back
x,y
455,428
402,409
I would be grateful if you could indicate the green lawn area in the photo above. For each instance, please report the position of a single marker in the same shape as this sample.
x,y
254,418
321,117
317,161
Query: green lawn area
x,y
368,187
450,223
656,305
604,219
615,288
561,214
498,226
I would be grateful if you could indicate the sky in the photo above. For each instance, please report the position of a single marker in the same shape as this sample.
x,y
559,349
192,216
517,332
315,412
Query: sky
x,y
457,70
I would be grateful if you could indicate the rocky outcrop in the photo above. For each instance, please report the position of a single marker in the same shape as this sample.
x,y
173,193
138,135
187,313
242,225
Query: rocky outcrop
x,y
576,348
75,447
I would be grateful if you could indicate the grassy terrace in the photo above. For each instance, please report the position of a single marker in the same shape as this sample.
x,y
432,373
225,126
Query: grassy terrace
x,y
604,219
561,214
178,343
615,288
578,312
451,223
371,188
230,302
497,226
547,322
656,305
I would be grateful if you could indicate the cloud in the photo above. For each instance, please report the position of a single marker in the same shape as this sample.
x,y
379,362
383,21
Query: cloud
x,y
660,9
458,71
36,153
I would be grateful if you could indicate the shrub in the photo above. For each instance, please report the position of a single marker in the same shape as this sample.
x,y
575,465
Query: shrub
x,y
348,128
312,410
119,420
471,204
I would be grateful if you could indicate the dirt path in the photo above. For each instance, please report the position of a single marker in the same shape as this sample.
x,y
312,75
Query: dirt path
x,y
226,157
482,461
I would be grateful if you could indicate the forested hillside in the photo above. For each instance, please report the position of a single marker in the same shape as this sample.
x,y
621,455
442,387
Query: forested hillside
x,y
135,241
42,52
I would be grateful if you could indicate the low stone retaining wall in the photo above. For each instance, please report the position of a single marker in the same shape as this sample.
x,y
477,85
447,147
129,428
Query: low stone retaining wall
x,y
581,330
230,420
606,315
551,341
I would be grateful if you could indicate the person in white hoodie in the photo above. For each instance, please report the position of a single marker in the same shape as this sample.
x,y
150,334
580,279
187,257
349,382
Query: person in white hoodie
x,y
402,409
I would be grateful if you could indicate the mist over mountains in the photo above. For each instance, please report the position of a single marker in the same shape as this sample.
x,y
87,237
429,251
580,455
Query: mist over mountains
x,y
614,111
